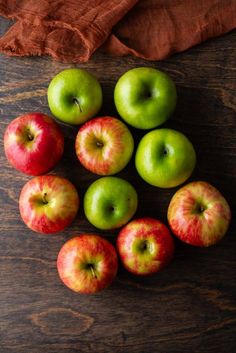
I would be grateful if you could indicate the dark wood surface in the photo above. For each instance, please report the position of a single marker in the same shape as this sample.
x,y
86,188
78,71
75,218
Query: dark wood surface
x,y
188,307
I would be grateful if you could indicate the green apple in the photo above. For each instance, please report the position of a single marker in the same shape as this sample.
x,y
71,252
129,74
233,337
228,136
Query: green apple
x,y
145,97
165,158
110,202
74,96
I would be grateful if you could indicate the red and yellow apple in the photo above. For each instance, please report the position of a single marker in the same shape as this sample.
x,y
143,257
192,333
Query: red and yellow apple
x,y
33,143
48,203
87,263
104,145
145,246
198,214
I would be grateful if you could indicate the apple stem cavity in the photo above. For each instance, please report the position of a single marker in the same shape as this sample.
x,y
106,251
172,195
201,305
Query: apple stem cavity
x,y
200,208
77,102
112,208
143,246
165,151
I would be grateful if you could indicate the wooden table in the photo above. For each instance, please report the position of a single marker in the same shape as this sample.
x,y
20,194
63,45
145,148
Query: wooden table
x,y
190,306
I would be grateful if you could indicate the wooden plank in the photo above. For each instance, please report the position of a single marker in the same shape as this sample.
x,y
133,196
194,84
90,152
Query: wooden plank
x,y
190,306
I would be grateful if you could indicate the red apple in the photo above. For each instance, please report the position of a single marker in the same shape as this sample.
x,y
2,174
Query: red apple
x,y
48,203
198,214
104,145
33,143
87,263
145,246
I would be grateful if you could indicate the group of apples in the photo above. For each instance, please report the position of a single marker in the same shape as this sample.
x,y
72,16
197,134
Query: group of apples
x,y
145,98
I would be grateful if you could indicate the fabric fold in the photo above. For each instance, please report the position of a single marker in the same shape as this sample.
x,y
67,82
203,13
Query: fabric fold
x,y
72,30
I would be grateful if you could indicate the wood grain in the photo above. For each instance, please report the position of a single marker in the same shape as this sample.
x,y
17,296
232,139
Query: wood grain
x,y
190,306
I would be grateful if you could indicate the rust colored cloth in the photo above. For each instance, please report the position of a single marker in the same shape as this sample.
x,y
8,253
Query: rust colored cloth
x,y
71,30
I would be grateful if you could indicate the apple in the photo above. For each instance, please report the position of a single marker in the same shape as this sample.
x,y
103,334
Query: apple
x,y
110,202
104,145
33,143
145,97
165,158
198,214
74,96
87,263
145,246
48,203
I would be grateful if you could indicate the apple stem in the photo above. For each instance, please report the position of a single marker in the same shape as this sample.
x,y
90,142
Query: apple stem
x,y
93,272
44,198
200,208
77,102
30,136
99,144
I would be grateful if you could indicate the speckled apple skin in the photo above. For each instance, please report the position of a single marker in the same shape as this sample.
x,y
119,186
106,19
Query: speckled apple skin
x,y
199,228
82,250
36,156
48,203
116,148
158,238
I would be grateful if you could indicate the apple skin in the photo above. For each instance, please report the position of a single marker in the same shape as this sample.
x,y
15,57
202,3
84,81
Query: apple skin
x,y
145,97
145,246
110,202
104,145
165,158
198,214
87,263
33,143
74,96
48,203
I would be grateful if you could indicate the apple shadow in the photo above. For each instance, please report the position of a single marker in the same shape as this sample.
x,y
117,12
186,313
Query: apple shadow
x,y
199,116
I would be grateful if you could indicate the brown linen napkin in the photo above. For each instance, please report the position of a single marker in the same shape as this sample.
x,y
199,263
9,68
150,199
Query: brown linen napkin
x,y
155,29
71,30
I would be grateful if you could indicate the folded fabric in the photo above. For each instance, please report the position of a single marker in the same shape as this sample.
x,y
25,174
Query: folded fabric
x,y
72,30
